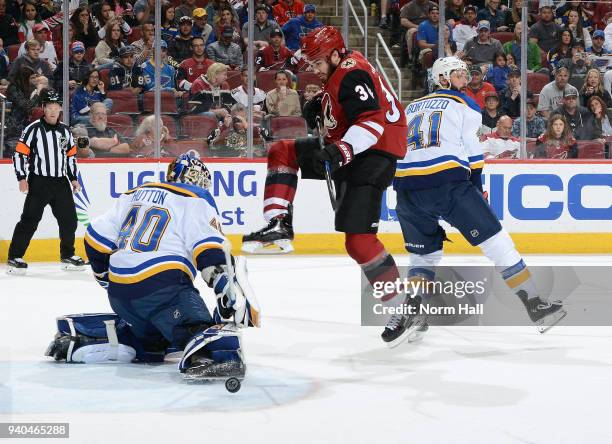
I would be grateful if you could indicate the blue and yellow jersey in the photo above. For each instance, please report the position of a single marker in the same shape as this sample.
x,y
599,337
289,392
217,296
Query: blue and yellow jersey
x,y
443,144
155,235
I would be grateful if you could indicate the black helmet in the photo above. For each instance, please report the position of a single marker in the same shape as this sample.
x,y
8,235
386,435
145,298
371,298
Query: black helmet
x,y
50,96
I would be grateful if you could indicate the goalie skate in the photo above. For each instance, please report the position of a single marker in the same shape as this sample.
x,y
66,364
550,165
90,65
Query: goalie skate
x,y
275,238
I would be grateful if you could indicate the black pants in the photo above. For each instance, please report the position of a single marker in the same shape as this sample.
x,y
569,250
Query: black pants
x,y
57,193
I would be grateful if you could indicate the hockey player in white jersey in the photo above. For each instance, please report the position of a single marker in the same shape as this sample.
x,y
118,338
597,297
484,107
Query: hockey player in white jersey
x,y
440,177
146,251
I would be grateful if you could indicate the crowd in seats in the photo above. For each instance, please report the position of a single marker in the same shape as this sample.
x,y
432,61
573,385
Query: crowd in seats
x,y
569,51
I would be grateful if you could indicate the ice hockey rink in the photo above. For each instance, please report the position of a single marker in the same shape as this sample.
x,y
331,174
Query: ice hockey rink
x,y
314,374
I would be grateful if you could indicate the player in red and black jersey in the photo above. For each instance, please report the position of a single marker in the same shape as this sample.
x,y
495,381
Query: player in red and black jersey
x,y
365,134
275,55
197,65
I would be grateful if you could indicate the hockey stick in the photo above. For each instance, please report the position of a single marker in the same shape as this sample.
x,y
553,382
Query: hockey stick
x,y
331,187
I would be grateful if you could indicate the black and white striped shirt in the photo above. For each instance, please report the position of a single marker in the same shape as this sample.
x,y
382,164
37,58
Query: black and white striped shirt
x,y
45,150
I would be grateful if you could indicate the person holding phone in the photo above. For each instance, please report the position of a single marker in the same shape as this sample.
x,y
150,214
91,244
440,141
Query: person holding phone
x,y
282,100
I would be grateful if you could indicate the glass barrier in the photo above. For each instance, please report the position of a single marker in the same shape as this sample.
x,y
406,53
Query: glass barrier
x,y
556,105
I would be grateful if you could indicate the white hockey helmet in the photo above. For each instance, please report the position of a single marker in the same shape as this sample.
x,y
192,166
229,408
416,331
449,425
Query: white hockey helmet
x,y
444,67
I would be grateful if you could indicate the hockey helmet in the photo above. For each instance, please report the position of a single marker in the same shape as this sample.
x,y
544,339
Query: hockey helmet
x,y
188,168
50,96
320,43
445,66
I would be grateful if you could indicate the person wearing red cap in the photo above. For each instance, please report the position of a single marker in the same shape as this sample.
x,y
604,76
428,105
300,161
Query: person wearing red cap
x,y
47,50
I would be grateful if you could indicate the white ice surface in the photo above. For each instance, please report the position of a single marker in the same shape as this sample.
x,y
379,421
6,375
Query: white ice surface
x,y
315,375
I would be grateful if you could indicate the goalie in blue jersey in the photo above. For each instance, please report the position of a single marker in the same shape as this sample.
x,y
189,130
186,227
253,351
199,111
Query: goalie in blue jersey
x,y
440,177
146,251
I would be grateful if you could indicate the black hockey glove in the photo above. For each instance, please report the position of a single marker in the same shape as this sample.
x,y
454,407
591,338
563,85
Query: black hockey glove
x,y
337,154
312,110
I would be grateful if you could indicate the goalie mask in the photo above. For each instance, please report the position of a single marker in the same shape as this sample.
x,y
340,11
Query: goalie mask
x,y
188,168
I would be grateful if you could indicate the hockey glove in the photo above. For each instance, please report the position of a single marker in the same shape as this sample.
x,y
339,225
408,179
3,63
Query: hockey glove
x,y
336,154
102,279
216,277
312,110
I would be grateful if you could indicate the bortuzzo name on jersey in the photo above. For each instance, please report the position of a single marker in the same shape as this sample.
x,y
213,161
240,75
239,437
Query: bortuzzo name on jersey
x,y
427,104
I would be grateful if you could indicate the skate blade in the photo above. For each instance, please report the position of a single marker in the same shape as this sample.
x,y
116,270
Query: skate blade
x,y
411,335
276,247
11,271
551,321
70,267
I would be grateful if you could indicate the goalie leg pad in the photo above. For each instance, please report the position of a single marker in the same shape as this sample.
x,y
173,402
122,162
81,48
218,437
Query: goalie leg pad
x,y
92,338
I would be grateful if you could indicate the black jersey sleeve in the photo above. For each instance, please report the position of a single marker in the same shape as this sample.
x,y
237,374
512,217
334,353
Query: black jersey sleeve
x,y
357,95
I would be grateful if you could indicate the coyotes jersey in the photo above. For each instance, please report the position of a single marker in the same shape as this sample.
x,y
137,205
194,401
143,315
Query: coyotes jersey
x,y
360,109
443,144
155,235
190,69
271,59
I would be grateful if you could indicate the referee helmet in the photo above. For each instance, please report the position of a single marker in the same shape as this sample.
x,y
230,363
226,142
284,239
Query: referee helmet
x,y
50,96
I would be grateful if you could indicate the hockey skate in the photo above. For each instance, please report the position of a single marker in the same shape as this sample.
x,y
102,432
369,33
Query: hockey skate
x,y
17,267
73,263
545,314
275,238
406,327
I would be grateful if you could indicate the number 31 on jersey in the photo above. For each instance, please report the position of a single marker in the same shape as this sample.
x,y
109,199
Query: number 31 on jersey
x,y
416,138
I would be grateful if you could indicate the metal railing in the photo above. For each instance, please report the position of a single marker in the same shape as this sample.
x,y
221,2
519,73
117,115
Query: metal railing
x,y
2,115
363,29
380,42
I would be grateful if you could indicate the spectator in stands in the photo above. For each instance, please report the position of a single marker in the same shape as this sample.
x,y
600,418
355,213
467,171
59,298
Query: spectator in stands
x,y
240,94
167,72
465,30
262,28
299,26
593,86
125,74
545,31
78,69
144,10
195,66
224,19
500,144
598,46
536,125
579,119
122,8
578,65
107,49
4,68
47,50
477,89
23,93
551,95
84,28
8,26
483,47
286,10
580,34
32,60
225,50
185,9
557,142
534,60
144,46
104,16
511,95
282,100
491,112
275,55
563,49
563,13
310,91
493,14
93,90
180,47
497,74
233,133
454,12
144,138
412,15
602,9
427,32
212,91
200,26
29,18
169,25
514,14
103,139
602,117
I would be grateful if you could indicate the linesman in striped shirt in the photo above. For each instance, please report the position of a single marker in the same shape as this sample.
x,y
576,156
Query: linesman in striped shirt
x,y
46,168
